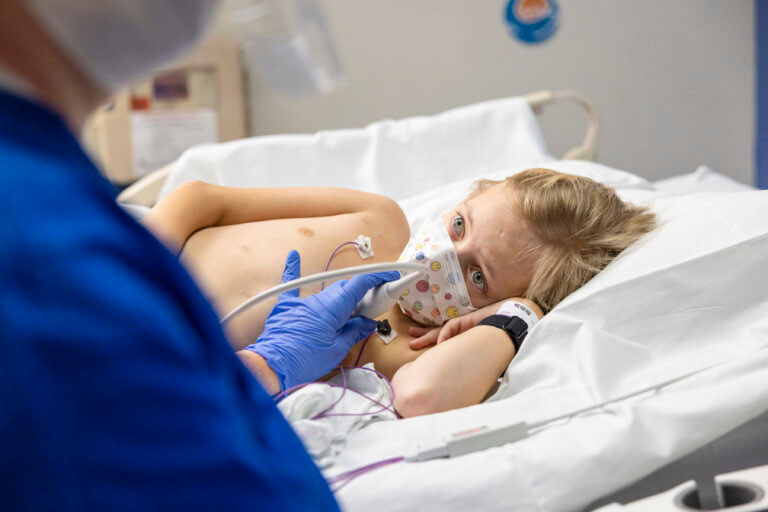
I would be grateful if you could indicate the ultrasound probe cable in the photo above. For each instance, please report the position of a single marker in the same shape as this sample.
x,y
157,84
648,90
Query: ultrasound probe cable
x,y
402,267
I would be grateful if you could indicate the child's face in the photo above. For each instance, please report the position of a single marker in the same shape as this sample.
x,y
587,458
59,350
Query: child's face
x,y
495,249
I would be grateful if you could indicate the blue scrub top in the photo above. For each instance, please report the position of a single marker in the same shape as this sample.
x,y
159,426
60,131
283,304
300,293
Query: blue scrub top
x,y
118,390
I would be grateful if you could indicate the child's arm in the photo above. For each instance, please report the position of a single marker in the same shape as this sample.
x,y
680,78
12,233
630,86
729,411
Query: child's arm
x,y
196,205
456,373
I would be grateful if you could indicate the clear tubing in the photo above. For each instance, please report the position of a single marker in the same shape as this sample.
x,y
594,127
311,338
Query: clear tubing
x,y
323,276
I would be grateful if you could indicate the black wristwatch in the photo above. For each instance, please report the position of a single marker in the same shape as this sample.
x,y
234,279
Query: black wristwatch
x,y
514,326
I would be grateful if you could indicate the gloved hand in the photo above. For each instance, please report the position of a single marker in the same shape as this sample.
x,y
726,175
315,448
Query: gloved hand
x,y
304,339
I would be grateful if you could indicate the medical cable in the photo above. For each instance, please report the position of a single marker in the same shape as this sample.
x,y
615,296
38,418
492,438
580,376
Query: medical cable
x,y
322,276
341,368
656,387
362,347
484,437
378,324
322,287
328,263
389,407
343,479
350,475
322,413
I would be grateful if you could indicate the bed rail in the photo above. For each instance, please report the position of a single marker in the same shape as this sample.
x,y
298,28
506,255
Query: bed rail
x,y
144,191
586,151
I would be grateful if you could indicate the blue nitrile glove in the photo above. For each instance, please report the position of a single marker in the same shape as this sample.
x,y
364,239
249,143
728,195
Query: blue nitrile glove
x,y
304,339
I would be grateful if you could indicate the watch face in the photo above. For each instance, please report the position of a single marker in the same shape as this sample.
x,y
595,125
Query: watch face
x,y
516,326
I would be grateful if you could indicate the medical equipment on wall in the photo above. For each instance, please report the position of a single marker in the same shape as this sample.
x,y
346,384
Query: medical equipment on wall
x,y
371,302
149,125
286,42
532,21
201,99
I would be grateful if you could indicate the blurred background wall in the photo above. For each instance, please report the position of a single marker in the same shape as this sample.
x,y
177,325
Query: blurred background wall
x,y
674,81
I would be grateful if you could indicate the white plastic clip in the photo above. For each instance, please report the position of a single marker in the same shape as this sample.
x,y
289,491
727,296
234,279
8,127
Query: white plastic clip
x,y
468,441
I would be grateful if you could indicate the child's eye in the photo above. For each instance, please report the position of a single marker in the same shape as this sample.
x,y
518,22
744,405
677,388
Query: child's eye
x,y
478,279
458,225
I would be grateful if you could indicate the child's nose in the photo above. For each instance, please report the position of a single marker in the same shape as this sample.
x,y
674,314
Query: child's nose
x,y
462,252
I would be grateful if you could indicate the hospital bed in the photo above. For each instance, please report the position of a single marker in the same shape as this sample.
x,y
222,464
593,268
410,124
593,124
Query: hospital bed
x,y
681,316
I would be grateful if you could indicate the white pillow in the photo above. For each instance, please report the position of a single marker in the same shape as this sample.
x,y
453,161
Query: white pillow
x,y
392,158
703,179
432,203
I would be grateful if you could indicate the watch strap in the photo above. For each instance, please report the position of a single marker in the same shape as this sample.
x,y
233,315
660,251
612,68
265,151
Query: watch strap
x,y
515,327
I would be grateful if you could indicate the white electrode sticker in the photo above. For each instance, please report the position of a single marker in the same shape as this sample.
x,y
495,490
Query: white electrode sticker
x,y
387,338
363,246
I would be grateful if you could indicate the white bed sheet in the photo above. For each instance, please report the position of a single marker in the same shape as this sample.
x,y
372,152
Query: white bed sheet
x,y
703,180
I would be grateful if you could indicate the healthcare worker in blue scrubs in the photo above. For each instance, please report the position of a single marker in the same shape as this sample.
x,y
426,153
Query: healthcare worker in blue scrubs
x,y
118,390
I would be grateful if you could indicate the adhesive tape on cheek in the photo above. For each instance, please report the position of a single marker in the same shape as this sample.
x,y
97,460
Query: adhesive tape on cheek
x,y
520,310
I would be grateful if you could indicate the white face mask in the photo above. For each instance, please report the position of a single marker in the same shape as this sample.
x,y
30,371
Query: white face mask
x,y
442,294
115,42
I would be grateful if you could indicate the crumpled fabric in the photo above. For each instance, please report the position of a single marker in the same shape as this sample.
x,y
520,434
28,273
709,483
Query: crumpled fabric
x,y
326,437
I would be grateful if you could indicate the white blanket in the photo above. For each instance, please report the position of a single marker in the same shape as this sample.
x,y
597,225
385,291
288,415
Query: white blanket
x,y
345,411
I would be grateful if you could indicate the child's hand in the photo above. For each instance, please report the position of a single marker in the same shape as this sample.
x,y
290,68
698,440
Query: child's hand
x,y
433,335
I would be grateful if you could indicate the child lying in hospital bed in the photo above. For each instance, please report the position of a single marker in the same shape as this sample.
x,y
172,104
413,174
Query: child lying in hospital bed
x,y
538,236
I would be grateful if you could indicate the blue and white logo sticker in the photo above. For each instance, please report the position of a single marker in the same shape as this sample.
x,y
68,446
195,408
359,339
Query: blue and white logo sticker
x,y
532,21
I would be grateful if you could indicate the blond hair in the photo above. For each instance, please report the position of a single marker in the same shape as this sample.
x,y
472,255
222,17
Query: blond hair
x,y
578,226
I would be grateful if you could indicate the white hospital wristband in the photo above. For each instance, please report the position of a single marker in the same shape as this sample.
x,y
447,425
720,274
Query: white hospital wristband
x,y
520,310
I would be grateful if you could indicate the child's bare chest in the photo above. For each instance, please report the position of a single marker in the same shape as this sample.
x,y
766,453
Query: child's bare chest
x,y
233,263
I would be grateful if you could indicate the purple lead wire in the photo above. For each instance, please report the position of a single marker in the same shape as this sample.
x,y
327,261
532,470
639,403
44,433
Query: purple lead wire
x,y
344,478
321,414
328,264
324,413
348,476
